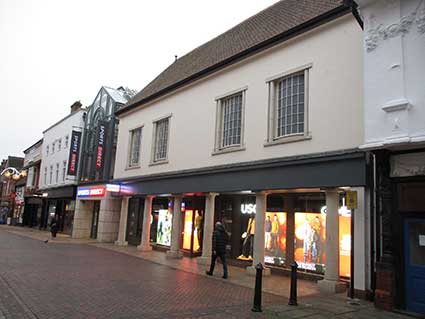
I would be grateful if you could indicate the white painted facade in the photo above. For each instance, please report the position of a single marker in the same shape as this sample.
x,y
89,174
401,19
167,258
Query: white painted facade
x,y
394,72
32,156
53,155
335,111
332,53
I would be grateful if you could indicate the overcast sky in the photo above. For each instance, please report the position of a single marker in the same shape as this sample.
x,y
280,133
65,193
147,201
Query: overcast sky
x,y
55,52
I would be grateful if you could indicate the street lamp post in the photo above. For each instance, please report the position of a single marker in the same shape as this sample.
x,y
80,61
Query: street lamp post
x,y
11,173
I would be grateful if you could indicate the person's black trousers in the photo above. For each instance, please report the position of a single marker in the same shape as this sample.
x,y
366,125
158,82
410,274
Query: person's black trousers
x,y
223,261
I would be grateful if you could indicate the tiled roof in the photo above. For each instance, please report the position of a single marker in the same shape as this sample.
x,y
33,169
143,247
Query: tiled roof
x,y
276,20
16,162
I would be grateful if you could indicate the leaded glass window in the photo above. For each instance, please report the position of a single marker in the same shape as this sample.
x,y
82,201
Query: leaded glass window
x,y
161,140
231,118
135,139
290,105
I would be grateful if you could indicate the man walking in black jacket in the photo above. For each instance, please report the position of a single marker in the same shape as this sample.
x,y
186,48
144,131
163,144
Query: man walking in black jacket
x,y
219,242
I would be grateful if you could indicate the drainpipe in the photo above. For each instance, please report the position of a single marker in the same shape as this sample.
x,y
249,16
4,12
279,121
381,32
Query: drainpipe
x,y
373,226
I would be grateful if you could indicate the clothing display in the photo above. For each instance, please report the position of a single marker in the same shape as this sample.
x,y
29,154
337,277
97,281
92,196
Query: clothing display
x,y
248,244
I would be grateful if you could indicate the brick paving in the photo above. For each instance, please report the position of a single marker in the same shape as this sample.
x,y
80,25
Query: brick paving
x,y
39,280
81,281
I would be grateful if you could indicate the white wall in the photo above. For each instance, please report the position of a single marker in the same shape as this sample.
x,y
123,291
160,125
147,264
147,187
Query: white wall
x,y
33,155
394,57
59,131
335,108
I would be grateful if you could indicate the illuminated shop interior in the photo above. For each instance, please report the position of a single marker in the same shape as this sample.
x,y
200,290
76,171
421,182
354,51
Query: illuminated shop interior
x,y
295,229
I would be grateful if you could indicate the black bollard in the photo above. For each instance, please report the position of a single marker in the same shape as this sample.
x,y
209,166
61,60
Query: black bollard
x,y
258,284
293,295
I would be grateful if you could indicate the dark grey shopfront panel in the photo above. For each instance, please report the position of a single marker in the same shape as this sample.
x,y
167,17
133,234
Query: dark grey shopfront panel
x,y
345,171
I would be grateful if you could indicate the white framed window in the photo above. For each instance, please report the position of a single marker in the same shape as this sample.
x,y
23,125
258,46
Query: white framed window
x,y
47,151
134,147
45,175
66,141
51,174
57,173
59,144
160,141
63,171
53,147
230,122
288,107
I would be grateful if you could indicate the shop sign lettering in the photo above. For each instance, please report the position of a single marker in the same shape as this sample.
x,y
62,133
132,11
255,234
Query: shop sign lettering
x,y
91,192
248,209
343,211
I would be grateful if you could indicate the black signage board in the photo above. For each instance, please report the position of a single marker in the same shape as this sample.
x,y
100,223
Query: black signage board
x,y
100,147
74,152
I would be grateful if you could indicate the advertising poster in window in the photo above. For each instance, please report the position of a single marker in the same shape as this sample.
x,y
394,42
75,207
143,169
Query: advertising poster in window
x,y
275,238
163,235
344,242
310,235
189,230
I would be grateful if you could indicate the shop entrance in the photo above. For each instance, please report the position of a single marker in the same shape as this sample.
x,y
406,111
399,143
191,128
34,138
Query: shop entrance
x,y
414,241
135,221
95,219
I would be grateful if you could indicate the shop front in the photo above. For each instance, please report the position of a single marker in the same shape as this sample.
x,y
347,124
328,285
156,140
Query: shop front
x,y
400,263
190,216
33,210
58,203
97,212
298,218
274,213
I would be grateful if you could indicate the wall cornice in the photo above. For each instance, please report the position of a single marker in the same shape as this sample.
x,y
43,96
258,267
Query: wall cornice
x,y
383,32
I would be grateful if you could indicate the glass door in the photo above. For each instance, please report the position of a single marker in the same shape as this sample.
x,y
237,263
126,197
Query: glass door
x,y
95,219
135,221
414,240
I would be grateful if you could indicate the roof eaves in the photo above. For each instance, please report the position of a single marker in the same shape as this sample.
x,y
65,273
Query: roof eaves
x,y
339,11
33,145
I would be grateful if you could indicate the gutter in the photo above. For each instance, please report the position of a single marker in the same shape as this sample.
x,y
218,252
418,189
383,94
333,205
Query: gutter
x,y
346,7
354,6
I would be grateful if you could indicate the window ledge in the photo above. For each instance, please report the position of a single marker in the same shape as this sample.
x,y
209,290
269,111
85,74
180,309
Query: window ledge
x,y
228,150
160,162
129,168
287,139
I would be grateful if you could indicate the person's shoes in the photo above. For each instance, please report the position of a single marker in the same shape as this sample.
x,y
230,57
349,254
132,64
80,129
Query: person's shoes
x,y
209,273
46,241
224,277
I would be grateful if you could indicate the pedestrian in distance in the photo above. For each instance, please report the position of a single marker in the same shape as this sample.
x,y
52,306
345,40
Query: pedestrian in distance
x,y
219,242
54,227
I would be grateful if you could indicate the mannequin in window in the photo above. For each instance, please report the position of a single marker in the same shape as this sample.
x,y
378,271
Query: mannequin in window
x,y
275,234
199,226
248,243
